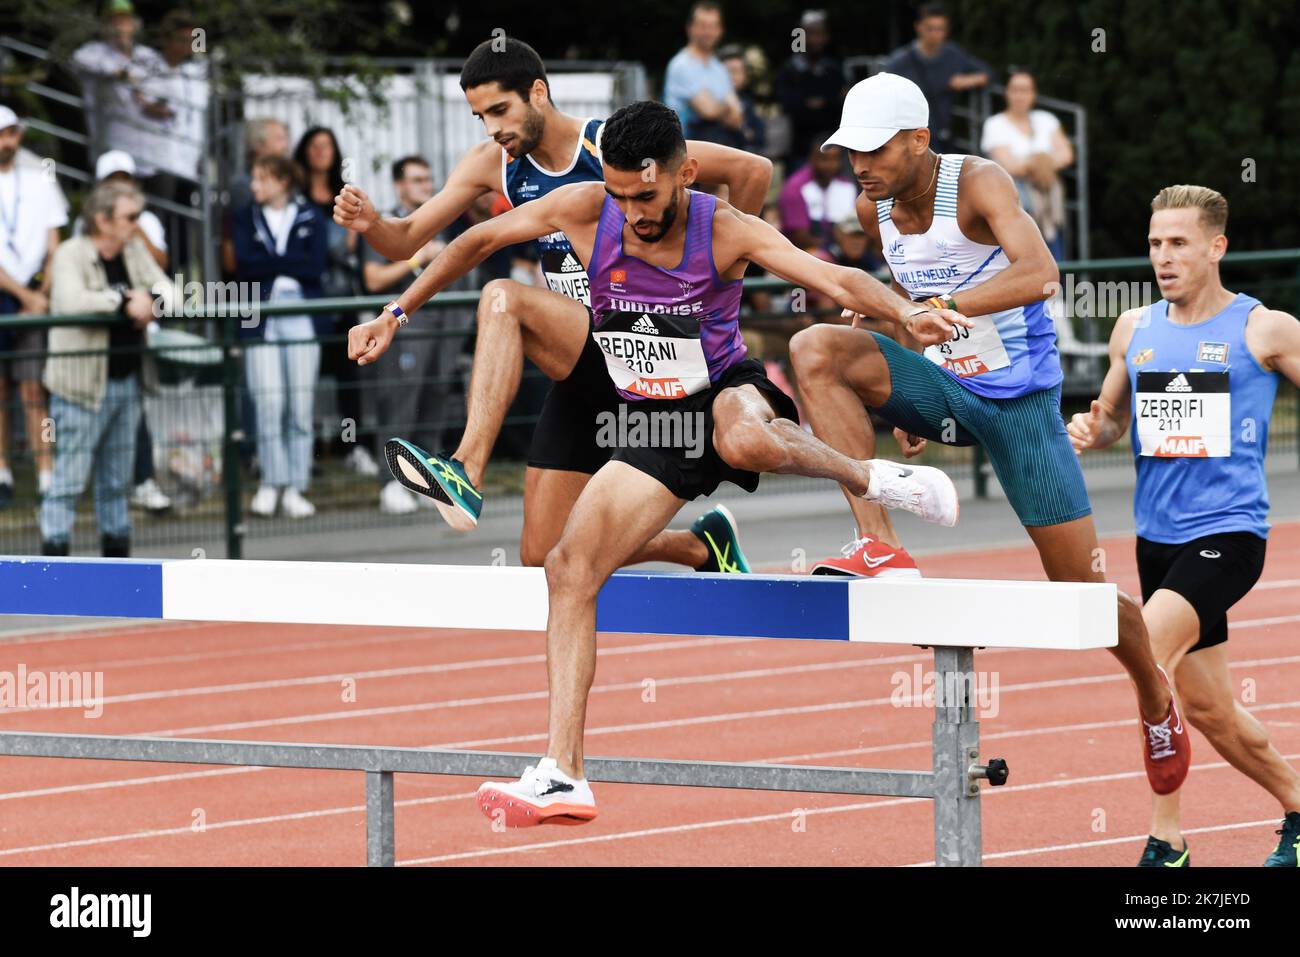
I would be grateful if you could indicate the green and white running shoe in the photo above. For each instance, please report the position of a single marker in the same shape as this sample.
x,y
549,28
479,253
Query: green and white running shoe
x,y
716,528
440,477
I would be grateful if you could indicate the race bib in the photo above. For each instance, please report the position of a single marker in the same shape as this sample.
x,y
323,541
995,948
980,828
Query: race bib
x,y
564,274
1184,414
971,352
654,356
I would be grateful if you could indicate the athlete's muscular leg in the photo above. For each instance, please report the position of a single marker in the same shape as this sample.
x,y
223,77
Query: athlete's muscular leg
x,y
549,495
1069,553
617,513
1172,628
748,435
838,370
514,321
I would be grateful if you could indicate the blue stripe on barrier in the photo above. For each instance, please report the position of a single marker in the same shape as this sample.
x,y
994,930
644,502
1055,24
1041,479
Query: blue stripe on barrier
x,y
81,586
753,606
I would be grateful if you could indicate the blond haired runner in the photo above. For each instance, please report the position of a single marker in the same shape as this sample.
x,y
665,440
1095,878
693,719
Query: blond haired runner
x,y
1195,375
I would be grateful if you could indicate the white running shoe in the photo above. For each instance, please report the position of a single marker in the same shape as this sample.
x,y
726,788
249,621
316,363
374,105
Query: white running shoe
x,y
362,462
544,795
295,506
264,502
150,497
920,489
395,500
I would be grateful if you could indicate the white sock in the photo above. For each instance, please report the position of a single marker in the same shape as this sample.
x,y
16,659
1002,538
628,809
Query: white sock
x,y
6,477
44,480
873,484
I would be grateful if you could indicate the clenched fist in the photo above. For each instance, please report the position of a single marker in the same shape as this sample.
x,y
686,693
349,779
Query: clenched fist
x,y
370,340
353,209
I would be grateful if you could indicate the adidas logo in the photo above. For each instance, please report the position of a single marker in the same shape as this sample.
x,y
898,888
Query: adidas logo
x,y
645,325
1178,384
570,264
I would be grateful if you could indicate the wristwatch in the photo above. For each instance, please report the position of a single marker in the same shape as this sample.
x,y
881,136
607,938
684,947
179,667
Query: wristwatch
x,y
397,312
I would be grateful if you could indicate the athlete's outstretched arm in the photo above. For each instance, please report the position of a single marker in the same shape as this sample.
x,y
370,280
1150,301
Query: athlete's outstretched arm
x,y
760,242
747,176
400,238
1108,418
559,210
1032,275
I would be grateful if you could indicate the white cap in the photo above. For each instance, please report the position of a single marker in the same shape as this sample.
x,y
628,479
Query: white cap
x,y
114,161
876,109
8,118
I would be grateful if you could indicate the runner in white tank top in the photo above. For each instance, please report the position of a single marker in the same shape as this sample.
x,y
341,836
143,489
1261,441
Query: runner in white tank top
x,y
952,228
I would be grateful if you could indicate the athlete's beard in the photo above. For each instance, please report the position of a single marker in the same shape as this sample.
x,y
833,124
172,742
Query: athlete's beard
x,y
665,224
530,135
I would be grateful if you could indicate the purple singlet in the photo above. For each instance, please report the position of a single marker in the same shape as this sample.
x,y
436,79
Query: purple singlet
x,y
665,333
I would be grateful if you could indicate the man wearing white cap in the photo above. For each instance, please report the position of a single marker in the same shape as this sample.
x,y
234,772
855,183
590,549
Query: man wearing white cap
x,y
31,213
117,165
955,236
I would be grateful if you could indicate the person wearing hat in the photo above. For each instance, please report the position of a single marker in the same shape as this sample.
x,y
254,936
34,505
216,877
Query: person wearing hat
x,y
32,212
955,237
118,166
114,71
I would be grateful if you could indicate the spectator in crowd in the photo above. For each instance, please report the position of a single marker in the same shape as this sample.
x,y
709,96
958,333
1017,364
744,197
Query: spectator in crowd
x,y
31,213
697,86
281,242
816,196
752,135
851,247
263,136
1031,146
320,159
408,399
120,112
118,167
93,372
940,68
181,84
810,87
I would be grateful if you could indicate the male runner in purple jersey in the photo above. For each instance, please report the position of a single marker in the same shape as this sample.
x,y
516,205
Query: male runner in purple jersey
x,y
665,265
533,149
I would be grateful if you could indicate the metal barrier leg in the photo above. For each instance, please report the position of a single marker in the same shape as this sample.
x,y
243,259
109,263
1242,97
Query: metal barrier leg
x,y
957,838
379,819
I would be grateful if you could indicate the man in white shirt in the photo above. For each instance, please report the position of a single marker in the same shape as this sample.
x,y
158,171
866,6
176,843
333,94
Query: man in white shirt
x,y
32,211
120,114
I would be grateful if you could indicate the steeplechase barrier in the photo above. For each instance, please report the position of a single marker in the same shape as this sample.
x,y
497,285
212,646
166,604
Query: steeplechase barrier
x,y
952,617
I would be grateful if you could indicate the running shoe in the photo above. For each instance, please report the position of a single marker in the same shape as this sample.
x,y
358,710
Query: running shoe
x,y
441,478
1288,849
716,528
544,795
867,557
920,489
1160,853
1166,747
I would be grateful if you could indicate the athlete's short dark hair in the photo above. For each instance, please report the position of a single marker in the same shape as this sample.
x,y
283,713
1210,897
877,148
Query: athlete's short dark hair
x,y
642,131
505,60
399,166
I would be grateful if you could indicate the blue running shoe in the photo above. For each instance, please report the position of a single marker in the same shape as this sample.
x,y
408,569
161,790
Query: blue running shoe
x,y
716,528
441,478
1288,849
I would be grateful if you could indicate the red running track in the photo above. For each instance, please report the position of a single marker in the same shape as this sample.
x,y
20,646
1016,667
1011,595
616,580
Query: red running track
x,y
1064,722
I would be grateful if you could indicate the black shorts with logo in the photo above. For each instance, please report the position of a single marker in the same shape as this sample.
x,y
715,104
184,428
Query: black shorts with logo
x,y
690,470
565,436
1213,573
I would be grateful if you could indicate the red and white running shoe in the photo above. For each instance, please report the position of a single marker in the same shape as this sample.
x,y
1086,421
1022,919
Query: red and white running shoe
x,y
869,558
544,795
1167,748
